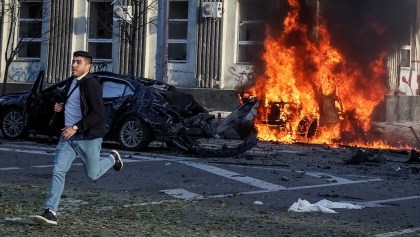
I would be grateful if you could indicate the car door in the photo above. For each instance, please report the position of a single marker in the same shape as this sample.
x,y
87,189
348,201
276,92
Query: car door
x,y
39,109
115,92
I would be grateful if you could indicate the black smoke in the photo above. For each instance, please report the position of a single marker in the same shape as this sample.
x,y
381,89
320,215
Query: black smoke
x,y
361,29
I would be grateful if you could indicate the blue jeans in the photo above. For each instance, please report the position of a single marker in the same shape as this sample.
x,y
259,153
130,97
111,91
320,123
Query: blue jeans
x,y
66,151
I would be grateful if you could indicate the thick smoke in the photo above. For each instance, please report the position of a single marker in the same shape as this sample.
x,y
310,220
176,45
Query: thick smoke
x,y
361,29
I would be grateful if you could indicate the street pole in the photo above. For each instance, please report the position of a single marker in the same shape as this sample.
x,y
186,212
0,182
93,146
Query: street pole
x,y
162,41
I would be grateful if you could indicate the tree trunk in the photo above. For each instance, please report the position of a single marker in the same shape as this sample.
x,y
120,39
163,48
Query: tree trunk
x,y
4,87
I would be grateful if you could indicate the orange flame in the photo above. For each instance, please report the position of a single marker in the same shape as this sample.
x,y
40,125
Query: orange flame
x,y
309,84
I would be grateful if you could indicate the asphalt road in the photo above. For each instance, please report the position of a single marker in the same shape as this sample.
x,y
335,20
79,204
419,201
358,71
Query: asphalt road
x,y
268,179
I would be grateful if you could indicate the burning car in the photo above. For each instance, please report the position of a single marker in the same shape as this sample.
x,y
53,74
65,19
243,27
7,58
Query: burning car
x,y
138,111
288,119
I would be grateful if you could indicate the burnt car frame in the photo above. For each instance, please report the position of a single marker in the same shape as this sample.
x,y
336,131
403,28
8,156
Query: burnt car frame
x,y
138,111
278,117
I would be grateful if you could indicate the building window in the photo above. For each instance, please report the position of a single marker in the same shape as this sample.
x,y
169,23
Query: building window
x,y
100,30
252,17
30,29
177,31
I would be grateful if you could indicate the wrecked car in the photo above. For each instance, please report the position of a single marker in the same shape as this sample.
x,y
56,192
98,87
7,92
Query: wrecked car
x,y
138,111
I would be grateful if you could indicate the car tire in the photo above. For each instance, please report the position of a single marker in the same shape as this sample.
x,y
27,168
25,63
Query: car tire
x,y
133,134
13,124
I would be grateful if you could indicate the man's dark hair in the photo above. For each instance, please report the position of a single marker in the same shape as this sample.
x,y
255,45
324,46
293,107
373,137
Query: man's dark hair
x,y
83,54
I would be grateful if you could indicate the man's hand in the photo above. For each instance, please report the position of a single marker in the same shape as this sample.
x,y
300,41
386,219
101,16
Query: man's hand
x,y
58,107
67,132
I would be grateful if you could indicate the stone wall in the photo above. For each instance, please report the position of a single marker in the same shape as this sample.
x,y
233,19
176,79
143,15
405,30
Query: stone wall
x,y
402,108
214,99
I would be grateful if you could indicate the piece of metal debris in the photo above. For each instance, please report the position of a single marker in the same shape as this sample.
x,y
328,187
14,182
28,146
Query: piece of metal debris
x,y
414,157
415,135
362,156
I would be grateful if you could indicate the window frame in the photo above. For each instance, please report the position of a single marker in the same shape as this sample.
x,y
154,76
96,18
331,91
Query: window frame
x,y
241,43
183,41
97,40
28,40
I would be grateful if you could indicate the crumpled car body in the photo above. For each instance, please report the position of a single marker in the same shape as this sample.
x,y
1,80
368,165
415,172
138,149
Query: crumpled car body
x,y
138,111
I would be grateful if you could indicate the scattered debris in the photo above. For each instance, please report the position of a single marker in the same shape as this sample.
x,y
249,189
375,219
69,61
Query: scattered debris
x,y
284,178
362,156
415,170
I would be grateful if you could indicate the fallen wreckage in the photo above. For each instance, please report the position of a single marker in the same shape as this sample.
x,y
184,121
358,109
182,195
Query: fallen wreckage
x,y
239,122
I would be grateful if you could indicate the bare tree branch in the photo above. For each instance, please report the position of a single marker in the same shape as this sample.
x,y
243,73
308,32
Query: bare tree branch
x,y
16,41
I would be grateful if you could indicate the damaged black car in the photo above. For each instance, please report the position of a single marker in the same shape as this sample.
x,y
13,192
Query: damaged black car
x,y
138,111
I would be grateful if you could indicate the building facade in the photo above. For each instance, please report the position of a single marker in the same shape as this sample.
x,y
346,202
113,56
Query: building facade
x,y
210,44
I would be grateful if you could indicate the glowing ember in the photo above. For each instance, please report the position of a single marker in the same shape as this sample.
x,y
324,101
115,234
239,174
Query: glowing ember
x,y
310,90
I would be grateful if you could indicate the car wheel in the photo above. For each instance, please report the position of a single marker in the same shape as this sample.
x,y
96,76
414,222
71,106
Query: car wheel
x,y
134,134
12,124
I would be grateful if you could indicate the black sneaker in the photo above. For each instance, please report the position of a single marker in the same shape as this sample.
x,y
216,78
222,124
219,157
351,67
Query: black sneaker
x,y
47,218
118,165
